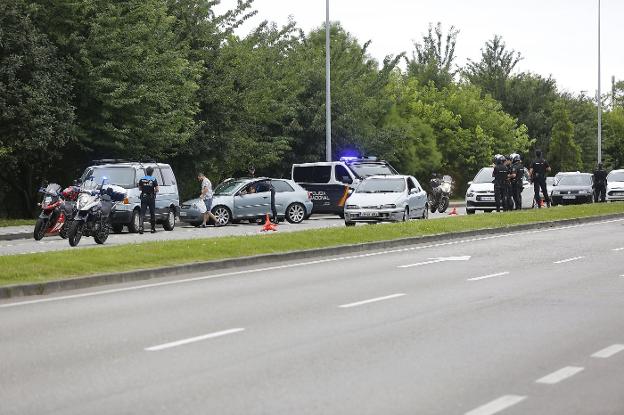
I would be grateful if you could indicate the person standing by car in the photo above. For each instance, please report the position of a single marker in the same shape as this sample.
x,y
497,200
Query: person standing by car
x,y
600,184
517,184
500,174
206,195
537,172
148,185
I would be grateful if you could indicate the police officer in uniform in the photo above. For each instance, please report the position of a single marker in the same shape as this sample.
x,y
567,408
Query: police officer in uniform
x,y
537,172
600,184
148,185
500,174
517,184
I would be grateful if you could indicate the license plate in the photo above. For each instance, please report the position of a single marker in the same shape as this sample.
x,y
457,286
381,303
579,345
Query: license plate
x,y
370,214
570,197
182,213
488,198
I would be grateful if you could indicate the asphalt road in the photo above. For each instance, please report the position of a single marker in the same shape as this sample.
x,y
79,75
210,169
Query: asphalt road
x,y
524,323
182,231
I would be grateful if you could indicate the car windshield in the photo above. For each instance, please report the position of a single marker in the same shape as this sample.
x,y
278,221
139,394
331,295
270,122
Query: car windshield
x,y
371,169
616,176
484,176
228,188
120,176
575,180
382,186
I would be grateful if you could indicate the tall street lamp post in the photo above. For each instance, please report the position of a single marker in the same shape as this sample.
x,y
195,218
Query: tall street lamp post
x,y
599,97
327,87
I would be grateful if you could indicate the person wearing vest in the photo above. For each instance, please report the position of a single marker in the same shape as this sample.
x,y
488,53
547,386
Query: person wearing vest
x,y
600,184
517,183
148,185
500,174
537,172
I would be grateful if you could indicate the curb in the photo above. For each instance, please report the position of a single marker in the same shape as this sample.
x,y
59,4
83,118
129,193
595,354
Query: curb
x,y
49,287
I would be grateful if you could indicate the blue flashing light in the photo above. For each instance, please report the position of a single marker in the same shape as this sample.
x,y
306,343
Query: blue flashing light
x,y
348,158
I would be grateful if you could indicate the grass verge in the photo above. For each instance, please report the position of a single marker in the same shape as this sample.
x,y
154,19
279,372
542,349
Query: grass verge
x,y
16,222
40,267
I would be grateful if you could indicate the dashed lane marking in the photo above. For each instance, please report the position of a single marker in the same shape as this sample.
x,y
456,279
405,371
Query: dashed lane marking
x,y
192,340
560,375
500,274
497,405
563,261
372,300
608,351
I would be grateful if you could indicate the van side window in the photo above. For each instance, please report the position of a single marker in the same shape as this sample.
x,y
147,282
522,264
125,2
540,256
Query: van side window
x,y
312,174
342,175
168,176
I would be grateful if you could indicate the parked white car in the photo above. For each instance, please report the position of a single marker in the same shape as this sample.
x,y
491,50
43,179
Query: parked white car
x,y
615,185
480,193
386,199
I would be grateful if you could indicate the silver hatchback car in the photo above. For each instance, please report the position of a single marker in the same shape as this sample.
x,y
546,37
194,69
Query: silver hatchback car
x,y
250,199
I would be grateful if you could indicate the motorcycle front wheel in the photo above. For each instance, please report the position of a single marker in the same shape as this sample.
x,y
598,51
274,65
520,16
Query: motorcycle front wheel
x,y
444,204
40,228
75,232
102,234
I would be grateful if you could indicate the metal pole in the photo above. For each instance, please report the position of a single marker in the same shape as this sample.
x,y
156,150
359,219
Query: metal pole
x,y
599,97
328,147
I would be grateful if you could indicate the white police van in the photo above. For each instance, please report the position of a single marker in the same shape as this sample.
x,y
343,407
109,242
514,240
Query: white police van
x,y
331,182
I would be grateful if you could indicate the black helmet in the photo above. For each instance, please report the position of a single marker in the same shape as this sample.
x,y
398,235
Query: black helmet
x,y
515,157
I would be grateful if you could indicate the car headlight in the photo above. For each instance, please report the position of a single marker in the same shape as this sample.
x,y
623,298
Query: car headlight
x,y
389,206
470,193
352,207
583,192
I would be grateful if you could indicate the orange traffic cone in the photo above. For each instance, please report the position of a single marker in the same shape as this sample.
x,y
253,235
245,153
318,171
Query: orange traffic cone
x,y
268,226
453,212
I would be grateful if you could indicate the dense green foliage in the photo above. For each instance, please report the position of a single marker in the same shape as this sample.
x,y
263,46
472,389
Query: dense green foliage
x,y
172,80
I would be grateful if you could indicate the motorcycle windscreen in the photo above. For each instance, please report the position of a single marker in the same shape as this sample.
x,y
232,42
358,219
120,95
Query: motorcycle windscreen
x,y
53,189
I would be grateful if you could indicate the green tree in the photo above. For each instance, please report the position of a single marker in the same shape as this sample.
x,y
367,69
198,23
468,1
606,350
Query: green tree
x,y
431,61
36,116
494,69
613,133
141,87
564,153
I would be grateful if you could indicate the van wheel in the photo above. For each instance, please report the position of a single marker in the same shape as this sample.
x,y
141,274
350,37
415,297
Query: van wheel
x,y
135,221
170,221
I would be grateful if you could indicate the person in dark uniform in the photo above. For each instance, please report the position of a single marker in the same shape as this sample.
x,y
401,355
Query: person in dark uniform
x,y
500,174
273,208
537,173
517,184
508,189
600,184
148,185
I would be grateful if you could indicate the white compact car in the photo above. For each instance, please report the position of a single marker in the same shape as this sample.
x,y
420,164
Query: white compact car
x,y
386,199
615,185
480,193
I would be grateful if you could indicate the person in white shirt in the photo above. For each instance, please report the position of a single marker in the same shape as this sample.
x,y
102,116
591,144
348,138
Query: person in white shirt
x,y
206,196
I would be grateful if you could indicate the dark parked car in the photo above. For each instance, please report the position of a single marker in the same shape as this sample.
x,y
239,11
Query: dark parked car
x,y
573,188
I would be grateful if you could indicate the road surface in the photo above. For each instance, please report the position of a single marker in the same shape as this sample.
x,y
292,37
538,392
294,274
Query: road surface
x,y
524,323
182,231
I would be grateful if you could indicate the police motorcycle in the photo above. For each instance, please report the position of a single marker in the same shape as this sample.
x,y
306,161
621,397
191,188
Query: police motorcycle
x,y
52,219
93,208
440,195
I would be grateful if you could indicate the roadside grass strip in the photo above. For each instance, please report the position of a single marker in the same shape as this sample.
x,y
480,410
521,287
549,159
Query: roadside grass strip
x,y
16,222
40,267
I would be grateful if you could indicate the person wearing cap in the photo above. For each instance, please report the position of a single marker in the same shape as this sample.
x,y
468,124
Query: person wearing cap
x,y
148,185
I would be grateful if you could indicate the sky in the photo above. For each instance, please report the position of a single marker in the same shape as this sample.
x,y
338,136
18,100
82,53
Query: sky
x,y
555,37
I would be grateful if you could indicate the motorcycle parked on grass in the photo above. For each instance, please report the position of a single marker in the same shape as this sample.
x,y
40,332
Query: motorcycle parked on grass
x,y
56,211
93,209
440,195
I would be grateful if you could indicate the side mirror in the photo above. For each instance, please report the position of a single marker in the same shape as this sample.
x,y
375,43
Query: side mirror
x,y
413,191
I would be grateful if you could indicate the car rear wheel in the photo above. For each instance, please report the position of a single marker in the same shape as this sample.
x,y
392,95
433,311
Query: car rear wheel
x,y
295,213
222,214
170,221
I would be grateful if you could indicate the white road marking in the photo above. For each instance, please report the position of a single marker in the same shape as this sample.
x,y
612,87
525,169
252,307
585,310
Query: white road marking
x,y
500,274
372,300
192,340
609,351
562,261
436,260
300,264
497,405
618,249
559,375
